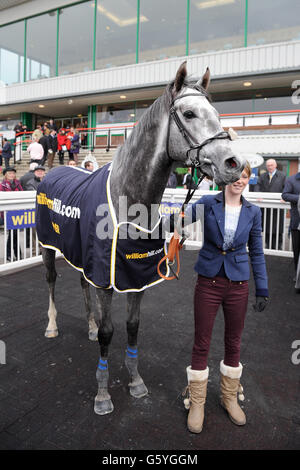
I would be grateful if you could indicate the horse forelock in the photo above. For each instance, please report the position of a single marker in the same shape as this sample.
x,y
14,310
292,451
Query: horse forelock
x,y
188,83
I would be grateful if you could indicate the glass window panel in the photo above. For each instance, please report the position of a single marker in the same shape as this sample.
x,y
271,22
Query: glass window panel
x,y
162,29
276,103
273,21
116,33
41,46
116,113
76,33
12,53
216,25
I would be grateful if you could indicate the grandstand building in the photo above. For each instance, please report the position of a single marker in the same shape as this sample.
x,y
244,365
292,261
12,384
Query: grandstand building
x,y
106,61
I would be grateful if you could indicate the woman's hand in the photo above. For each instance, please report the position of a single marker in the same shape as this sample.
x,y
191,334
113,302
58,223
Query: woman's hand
x,y
261,303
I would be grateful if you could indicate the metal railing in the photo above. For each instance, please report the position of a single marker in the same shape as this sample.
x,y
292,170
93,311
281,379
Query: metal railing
x,y
108,136
22,244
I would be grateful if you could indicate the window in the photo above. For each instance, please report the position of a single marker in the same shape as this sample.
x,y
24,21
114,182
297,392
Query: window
x,y
76,32
273,21
216,25
162,29
116,33
41,46
12,53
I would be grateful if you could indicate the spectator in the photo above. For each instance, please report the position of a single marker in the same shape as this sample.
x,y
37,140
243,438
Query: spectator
x,y
72,163
89,165
205,184
28,176
10,183
70,135
84,134
62,145
37,134
20,128
75,147
6,152
272,181
39,173
90,158
36,152
52,147
290,194
52,125
187,180
44,141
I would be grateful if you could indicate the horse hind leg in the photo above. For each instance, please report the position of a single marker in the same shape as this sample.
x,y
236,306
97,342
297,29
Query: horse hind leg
x,y
103,404
49,262
93,328
137,387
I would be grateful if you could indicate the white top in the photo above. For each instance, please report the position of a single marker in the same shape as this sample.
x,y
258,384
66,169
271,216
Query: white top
x,y
232,215
36,151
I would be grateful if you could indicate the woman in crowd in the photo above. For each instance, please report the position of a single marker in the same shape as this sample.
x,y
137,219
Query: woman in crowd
x,y
62,145
230,222
75,147
10,183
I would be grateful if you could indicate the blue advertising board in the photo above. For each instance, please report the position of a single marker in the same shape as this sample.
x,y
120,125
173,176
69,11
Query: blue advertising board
x,y
24,218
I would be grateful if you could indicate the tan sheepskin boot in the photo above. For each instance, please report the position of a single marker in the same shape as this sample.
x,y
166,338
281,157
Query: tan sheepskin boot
x,y
230,388
196,390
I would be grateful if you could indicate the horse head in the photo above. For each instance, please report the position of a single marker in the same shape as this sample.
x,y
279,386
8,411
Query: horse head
x,y
195,135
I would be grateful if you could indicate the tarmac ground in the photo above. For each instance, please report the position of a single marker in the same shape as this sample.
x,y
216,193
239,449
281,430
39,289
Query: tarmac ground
x,y
47,386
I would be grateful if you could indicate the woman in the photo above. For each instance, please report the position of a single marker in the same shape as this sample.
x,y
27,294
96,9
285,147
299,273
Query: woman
x,y
230,223
75,146
62,145
10,183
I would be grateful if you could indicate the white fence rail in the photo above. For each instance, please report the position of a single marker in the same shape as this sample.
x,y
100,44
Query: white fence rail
x,y
19,247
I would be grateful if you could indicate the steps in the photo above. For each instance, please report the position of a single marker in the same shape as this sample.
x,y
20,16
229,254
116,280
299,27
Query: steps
x,y
101,156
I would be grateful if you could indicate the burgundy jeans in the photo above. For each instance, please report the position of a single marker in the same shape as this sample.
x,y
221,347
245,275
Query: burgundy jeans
x,y
210,293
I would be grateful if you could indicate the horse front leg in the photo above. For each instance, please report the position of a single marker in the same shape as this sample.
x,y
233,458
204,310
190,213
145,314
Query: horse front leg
x,y
136,386
103,404
49,262
93,328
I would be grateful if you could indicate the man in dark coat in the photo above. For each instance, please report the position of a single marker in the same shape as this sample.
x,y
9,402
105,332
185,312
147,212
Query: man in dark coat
x,y
272,181
6,152
44,141
52,147
290,194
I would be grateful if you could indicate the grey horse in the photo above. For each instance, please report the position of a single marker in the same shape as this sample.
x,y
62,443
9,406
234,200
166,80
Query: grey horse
x,y
180,128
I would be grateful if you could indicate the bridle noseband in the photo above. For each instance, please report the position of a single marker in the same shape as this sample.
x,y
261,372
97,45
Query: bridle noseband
x,y
193,145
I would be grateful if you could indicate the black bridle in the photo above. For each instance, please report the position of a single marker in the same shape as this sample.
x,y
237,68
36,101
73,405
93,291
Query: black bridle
x,y
193,145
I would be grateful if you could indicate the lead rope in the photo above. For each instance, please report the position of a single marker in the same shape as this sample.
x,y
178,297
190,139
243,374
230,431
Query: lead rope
x,y
176,242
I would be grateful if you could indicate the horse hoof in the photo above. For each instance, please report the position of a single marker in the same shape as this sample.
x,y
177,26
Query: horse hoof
x,y
51,333
103,407
93,335
138,391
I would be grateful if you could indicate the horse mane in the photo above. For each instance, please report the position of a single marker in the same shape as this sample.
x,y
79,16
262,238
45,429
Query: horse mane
x,y
162,104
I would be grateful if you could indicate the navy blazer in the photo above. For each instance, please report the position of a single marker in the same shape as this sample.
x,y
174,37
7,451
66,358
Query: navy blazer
x,y
236,260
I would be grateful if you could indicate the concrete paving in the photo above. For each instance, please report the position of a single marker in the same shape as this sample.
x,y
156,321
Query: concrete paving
x,y
47,386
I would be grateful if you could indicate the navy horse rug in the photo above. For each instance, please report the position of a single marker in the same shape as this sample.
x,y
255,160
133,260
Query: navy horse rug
x,y
76,217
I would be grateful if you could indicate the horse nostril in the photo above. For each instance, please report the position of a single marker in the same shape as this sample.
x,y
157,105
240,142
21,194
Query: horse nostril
x,y
231,163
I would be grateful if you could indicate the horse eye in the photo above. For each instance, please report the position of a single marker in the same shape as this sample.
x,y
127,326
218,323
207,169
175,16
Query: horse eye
x,y
189,114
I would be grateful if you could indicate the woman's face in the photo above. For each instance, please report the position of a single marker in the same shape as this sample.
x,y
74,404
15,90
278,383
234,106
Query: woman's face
x,y
239,186
10,175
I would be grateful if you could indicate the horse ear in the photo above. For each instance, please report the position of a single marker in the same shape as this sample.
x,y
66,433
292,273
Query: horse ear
x,y
205,79
180,77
